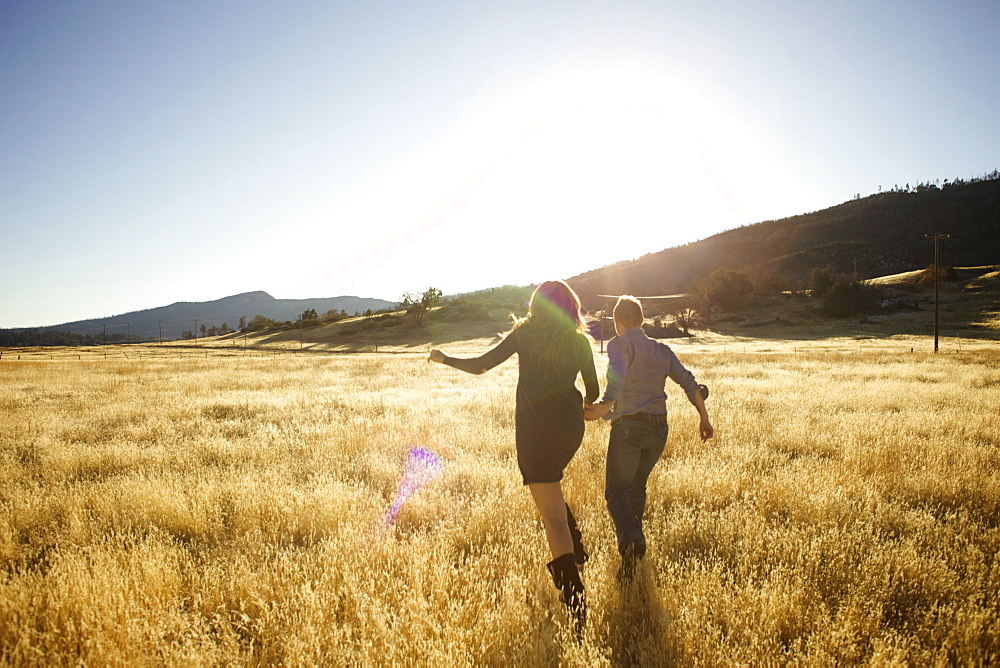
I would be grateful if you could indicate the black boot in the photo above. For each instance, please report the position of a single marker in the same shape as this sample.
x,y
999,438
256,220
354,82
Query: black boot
x,y
579,553
631,556
566,578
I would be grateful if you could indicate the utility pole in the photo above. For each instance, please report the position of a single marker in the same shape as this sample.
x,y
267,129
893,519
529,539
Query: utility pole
x,y
937,270
160,323
105,325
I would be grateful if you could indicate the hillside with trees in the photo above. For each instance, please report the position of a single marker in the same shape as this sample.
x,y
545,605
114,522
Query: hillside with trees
x,y
743,277
860,239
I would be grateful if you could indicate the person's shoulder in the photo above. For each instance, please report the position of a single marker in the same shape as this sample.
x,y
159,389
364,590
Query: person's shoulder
x,y
662,346
634,336
514,337
583,340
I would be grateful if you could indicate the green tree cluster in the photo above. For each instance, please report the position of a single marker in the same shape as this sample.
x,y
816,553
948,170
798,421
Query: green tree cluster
x,y
309,318
847,298
722,290
419,305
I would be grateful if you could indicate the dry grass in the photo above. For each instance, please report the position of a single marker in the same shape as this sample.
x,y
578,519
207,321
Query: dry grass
x,y
224,509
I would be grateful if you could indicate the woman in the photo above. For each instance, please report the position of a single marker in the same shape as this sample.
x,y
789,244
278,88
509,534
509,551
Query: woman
x,y
636,403
552,349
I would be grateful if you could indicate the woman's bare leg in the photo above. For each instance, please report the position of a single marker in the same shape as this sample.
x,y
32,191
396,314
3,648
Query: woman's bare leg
x,y
549,500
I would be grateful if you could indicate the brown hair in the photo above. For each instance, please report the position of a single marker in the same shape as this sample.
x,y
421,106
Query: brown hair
x,y
554,318
554,305
628,311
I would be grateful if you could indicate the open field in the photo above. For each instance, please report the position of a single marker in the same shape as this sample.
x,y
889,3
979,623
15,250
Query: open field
x,y
222,506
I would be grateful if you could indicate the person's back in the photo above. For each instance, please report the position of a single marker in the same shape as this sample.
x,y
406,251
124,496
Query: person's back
x,y
635,401
552,351
638,367
547,368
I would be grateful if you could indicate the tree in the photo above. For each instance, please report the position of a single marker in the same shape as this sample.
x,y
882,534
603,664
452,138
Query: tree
x,y
847,298
820,281
260,322
309,318
418,307
723,289
333,315
768,283
685,319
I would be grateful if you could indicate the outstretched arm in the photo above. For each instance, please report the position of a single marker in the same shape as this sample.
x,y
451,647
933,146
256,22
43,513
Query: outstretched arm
x,y
481,364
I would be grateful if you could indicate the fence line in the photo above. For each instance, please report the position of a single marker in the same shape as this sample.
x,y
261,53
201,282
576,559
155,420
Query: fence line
x,y
153,352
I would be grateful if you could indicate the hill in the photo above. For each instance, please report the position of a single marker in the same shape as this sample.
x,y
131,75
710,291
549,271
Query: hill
x,y
970,309
864,238
180,317
868,237
969,305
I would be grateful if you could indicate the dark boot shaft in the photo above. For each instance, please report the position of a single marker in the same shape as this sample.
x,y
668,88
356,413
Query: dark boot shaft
x,y
579,552
566,578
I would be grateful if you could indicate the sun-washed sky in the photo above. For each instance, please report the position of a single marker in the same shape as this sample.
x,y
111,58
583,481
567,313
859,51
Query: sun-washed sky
x,y
155,152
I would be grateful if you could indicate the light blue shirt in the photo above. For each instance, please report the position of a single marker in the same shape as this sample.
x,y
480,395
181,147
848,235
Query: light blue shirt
x,y
638,367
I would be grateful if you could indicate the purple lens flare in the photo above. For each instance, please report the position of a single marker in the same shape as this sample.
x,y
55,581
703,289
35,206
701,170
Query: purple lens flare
x,y
422,466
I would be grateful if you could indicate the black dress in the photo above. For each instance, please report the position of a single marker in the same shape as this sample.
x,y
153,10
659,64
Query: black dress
x,y
549,413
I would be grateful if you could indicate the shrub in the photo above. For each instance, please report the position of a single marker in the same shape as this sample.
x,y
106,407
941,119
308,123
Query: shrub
x,y
849,298
820,282
944,275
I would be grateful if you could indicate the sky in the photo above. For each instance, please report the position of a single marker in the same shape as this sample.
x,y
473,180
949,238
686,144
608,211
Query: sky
x,y
156,152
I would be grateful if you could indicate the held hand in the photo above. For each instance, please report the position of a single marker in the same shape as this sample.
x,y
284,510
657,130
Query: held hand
x,y
706,429
596,411
436,356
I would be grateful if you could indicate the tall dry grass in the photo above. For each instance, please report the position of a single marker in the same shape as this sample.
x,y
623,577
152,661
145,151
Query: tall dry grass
x,y
226,510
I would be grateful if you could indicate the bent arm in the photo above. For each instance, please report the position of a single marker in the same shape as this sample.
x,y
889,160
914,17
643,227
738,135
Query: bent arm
x,y
705,428
617,370
680,375
589,372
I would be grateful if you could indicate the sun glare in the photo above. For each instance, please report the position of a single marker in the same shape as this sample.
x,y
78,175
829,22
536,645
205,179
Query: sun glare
x,y
607,148
565,163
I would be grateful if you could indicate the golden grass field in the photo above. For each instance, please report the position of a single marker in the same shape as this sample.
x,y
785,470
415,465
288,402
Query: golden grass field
x,y
217,508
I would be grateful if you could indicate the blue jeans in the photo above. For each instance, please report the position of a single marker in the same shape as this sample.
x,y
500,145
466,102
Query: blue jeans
x,y
633,450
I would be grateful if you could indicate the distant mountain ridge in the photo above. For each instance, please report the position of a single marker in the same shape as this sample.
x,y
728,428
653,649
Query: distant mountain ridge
x,y
181,317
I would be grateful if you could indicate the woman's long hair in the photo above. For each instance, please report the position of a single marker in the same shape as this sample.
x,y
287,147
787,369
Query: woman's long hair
x,y
554,320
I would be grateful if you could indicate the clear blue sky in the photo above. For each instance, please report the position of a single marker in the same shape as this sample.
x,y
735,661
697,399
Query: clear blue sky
x,y
154,152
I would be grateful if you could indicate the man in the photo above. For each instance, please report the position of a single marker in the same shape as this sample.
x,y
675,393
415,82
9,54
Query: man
x,y
635,401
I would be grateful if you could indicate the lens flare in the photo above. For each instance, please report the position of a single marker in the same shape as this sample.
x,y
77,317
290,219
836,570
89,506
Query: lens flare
x,y
422,466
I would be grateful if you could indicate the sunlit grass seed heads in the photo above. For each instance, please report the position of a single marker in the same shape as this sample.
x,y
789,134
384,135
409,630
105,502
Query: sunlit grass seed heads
x,y
227,510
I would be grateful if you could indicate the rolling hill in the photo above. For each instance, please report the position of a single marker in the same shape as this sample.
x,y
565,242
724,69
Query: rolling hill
x,y
864,238
867,237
